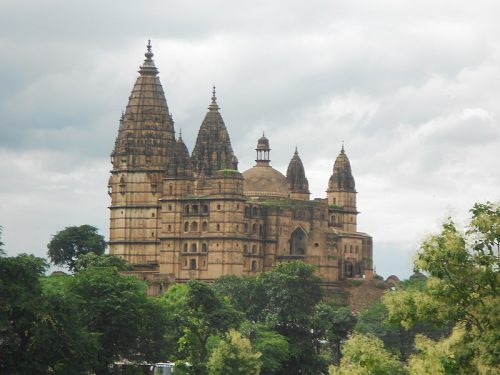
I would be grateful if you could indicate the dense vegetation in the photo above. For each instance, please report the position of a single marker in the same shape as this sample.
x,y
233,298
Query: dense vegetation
x,y
278,322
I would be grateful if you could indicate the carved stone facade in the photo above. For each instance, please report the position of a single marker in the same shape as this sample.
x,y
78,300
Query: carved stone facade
x,y
178,217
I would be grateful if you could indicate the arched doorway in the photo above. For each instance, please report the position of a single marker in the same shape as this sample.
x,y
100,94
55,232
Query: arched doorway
x,y
298,242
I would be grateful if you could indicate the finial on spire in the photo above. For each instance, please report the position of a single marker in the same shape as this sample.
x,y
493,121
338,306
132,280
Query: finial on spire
x,y
342,150
213,106
296,151
149,53
180,134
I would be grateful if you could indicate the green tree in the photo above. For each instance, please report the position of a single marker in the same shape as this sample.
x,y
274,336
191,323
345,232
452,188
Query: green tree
x,y
461,290
334,323
20,308
272,346
128,324
40,326
88,260
366,355
69,244
197,314
234,355
285,300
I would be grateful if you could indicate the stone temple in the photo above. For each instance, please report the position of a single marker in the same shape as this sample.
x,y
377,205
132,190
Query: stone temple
x,y
178,216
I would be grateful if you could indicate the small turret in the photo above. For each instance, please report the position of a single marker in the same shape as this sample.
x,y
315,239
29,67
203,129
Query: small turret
x,y
296,178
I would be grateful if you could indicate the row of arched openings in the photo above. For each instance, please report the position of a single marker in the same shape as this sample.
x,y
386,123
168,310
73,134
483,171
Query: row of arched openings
x,y
193,248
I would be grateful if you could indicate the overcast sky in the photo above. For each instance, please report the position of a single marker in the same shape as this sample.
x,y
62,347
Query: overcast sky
x,y
411,87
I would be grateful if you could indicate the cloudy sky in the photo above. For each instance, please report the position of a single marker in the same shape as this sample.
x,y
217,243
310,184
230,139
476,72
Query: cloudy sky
x,y
411,87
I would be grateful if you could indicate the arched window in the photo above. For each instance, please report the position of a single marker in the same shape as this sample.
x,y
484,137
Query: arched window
x,y
186,226
194,248
348,269
254,249
254,265
356,249
247,211
195,208
185,249
246,228
260,228
218,227
333,219
350,248
204,247
255,211
170,189
186,209
245,249
205,209
204,226
298,242
254,228
220,187
194,226
192,264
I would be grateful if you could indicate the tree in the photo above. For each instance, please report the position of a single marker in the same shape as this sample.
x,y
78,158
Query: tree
x,y
334,323
285,300
461,290
20,309
272,346
366,355
114,306
234,355
68,245
93,260
40,326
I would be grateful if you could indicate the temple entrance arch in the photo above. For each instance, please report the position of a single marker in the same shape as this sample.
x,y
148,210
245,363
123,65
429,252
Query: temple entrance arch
x,y
298,242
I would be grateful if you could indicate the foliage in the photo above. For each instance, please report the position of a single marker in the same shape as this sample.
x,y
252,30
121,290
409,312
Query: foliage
x,y
272,346
366,355
234,355
88,260
335,324
67,245
196,313
461,288
129,325
284,299
40,326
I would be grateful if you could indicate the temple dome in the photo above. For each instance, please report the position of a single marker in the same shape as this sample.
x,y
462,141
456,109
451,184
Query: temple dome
x,y
263,181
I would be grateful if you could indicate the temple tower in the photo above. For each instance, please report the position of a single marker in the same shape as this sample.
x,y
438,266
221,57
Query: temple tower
x,y
341,193
296,178
143,147
213,150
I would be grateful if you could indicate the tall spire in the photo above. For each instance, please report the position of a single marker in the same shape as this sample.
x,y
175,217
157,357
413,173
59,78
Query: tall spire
x,y
296,177
146,133
212,150
342,178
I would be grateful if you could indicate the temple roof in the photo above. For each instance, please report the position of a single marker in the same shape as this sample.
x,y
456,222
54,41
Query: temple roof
x,y
146,127
262,180
213,150
342,178
296,176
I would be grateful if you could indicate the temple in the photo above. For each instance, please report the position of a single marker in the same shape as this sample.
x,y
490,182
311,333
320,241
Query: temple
x,y
177,216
